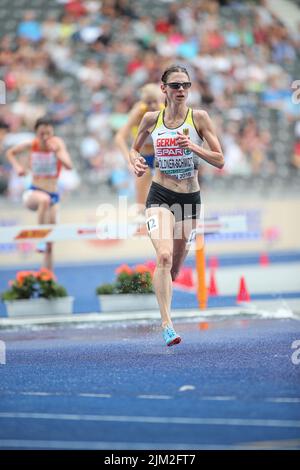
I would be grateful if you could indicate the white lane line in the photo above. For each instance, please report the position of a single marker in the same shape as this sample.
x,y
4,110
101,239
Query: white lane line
x,y
219,398
94,395
155,397
283,400
54,394
39,394
150,397
280,423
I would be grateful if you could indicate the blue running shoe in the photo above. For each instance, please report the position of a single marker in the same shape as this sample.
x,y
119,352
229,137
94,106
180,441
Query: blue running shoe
x,y
170,336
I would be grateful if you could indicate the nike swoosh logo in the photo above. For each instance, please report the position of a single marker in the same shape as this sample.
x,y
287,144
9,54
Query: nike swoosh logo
x,y
161,133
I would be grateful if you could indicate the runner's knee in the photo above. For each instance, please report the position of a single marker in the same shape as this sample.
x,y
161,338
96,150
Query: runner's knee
x,y
164,259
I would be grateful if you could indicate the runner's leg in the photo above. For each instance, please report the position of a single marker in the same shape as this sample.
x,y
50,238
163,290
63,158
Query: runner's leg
x,y
160,222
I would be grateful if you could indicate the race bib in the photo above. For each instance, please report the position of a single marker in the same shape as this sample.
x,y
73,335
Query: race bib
x,y
152,223
181,167
44,164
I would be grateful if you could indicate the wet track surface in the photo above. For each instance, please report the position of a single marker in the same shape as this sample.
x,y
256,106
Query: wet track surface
x,y
230,384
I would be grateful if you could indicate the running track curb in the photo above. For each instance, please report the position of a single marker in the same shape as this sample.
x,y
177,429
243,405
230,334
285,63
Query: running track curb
x,y
257,309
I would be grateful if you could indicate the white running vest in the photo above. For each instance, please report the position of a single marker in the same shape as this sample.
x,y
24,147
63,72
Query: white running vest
x,y
171,159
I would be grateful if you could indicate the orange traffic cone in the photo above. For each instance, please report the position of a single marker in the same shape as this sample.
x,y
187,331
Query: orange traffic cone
x,y
185,277
243,294
212,290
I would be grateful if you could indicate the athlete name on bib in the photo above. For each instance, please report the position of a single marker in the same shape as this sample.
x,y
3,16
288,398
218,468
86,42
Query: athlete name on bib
x,y
173,160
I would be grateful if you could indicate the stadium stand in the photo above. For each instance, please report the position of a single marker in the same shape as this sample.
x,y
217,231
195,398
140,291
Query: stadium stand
x,y
83,62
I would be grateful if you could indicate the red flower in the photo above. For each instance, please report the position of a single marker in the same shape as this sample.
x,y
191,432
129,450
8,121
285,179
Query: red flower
x,y
141,268
45,275
22,275
124,268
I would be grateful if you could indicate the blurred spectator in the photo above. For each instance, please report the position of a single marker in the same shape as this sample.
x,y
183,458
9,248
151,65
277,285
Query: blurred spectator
x,y
29,28
27,111
61,109
50,29
105,35
120,179
235,158
67,27
97,122
124,8
87,32
90,74
91,152
75,8
274,94
255,143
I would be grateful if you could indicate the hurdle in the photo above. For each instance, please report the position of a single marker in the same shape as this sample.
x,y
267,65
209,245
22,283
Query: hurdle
x,y
108,230
230,224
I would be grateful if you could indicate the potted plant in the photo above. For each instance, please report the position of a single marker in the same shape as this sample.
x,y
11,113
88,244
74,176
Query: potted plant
x,y
132,290
36,293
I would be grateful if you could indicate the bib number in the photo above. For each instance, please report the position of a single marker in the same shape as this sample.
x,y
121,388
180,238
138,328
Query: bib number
x,y
152,223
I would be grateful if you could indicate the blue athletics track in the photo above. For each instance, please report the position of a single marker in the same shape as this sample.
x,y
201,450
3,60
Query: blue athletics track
x,y
233,382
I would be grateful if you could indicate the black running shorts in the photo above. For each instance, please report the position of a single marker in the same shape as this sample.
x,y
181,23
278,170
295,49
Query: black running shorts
x,y
182,205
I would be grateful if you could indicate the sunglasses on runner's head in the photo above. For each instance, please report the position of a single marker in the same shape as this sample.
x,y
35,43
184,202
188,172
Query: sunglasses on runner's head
x,y
177,85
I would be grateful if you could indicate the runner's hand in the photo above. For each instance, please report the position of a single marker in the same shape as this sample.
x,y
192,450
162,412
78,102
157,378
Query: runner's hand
x,y
140,166
183,140
53,144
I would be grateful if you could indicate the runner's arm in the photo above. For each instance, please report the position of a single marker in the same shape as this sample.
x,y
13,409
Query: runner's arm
x,y
11,156
205,128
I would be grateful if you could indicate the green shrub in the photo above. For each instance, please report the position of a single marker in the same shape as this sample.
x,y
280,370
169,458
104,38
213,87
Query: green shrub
x,y
31,285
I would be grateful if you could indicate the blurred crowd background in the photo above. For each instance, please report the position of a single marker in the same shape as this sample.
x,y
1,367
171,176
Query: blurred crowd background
x,y
84,62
